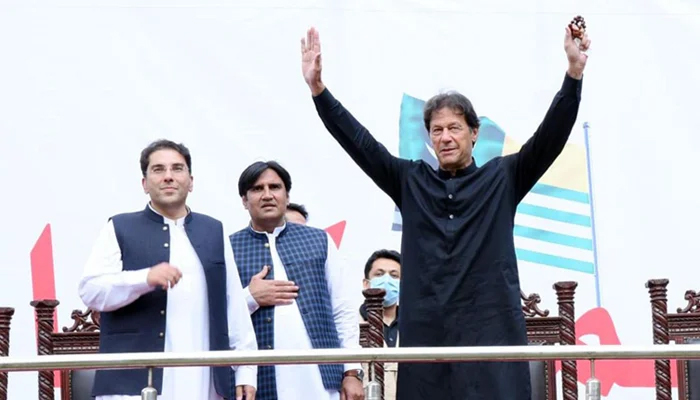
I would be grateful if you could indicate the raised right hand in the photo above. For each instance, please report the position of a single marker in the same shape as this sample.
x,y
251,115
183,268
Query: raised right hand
x,y
576,53
311,61
270,292
163,275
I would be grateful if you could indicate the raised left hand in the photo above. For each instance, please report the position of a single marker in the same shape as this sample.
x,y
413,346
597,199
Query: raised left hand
x,y
248,390
352,389
576,53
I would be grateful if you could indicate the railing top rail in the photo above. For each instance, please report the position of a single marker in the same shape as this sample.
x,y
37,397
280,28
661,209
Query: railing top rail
x,y
333,356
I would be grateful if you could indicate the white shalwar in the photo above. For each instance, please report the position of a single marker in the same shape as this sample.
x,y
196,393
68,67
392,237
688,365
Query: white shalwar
x,y
105,287
303,381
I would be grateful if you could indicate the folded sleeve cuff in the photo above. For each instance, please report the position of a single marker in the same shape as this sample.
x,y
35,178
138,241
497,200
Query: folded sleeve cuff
x,y
252,304
352,366
138,279
247,376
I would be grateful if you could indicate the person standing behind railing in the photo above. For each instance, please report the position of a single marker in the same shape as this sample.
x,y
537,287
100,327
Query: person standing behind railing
x,y
460,284
383,271
297,290
164,279
297,214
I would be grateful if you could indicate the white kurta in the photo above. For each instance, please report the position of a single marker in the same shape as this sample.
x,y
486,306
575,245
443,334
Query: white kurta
x,y
105,287
303,381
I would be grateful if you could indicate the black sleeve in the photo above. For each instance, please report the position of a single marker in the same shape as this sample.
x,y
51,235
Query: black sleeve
x,y
386,170
529,164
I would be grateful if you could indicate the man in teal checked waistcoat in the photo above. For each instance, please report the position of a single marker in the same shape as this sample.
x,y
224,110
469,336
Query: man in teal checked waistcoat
x,y
297,292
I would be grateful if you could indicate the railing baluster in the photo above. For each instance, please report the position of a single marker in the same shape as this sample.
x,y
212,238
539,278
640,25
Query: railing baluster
x,y
149,392
592,385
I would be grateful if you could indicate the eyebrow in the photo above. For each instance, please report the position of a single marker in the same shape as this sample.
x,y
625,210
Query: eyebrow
x,y
448,124
258,186
163,165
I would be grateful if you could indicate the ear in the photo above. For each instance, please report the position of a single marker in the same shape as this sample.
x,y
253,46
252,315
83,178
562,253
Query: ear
x,y
474,135
244,201
365,284
191,184
143,183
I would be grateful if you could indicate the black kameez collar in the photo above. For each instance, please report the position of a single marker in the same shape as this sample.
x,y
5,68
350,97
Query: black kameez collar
x,y
460,172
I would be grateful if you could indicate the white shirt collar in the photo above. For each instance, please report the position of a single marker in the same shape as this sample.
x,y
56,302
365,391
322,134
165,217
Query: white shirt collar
x,y
274,233
179,221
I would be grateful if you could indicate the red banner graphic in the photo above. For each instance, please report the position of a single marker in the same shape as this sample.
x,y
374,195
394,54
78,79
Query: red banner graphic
x,y
623,373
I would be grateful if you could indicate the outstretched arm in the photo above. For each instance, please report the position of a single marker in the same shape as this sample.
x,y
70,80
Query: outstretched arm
x,y
542,149
386,170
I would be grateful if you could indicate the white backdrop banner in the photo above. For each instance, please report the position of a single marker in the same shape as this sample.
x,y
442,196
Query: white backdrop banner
x,y
85,85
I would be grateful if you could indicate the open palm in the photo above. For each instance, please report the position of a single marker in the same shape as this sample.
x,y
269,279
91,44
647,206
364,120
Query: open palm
x,y
311,58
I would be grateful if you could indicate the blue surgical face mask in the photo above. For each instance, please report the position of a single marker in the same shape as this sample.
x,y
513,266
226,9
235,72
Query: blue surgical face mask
x,y
390,285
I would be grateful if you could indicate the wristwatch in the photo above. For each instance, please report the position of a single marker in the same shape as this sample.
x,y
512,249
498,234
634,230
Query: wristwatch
x,y
357,373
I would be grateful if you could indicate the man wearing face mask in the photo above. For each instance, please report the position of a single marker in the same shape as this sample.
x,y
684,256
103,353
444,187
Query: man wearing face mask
x,y
383,271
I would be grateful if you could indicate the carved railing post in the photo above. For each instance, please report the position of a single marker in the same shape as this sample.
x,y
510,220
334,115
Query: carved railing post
x,y
5,319
530,305
374,299
693,306
659,310
565,299
45,311
364,331
84,321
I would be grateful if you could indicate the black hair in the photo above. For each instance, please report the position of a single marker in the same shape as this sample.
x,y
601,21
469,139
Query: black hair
x,y
164,144
251,175
383,253
455,101
298,208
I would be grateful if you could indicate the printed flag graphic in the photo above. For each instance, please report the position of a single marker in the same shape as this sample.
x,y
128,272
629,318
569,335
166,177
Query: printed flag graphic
x,y
553,224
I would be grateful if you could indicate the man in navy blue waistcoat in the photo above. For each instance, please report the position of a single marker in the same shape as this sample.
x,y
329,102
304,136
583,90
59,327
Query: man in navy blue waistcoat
x,y
164,280
298,293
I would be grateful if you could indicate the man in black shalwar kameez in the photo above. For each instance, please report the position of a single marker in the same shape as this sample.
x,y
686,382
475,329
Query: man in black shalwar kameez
x,y
460,284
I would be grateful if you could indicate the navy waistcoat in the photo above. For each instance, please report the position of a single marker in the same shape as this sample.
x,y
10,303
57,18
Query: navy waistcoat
x,y
144,240
303,251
